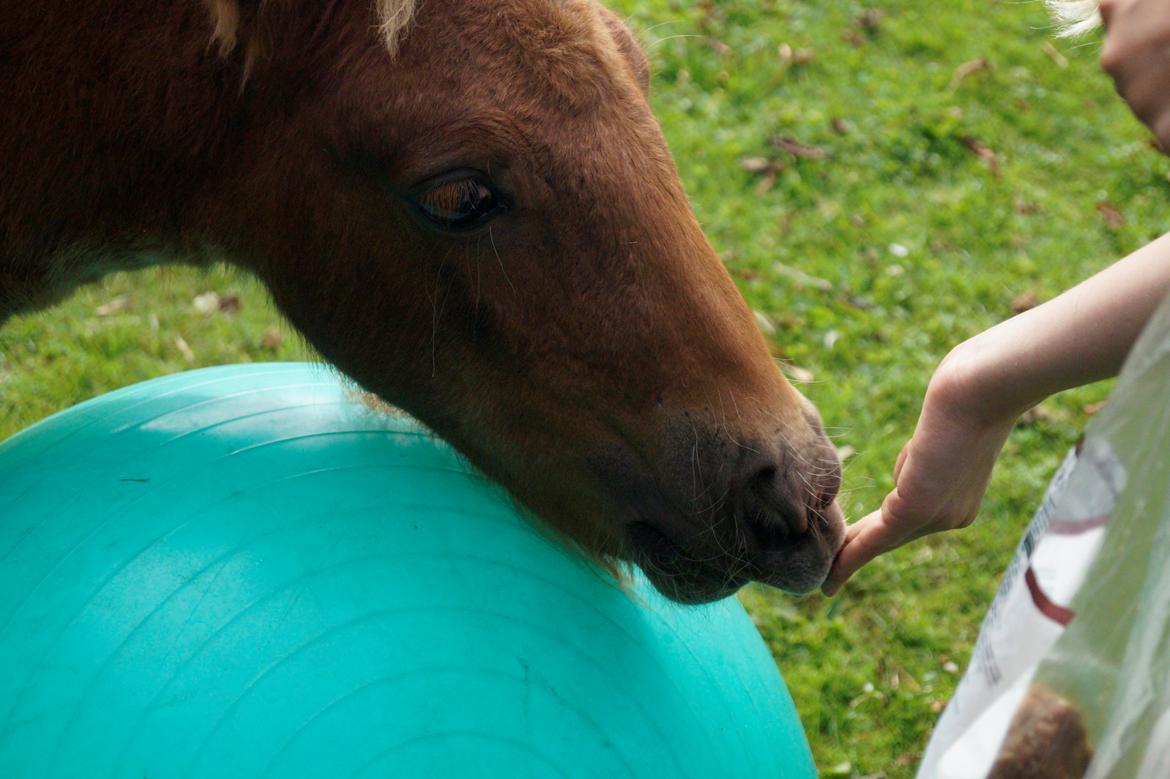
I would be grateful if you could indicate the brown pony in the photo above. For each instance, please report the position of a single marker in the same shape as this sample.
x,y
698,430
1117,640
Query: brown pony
x,y
469,209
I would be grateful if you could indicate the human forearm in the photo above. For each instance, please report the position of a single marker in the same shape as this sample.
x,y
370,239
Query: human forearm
x,y
985,383
1080,337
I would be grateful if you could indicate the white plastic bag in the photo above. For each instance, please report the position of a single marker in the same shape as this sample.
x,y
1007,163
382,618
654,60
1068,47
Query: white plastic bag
x,y
1071,673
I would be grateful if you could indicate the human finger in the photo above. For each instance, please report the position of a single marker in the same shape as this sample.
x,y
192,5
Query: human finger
x,y
869,537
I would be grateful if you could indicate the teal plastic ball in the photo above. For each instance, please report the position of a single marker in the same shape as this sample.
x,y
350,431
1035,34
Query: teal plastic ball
x,y
247,572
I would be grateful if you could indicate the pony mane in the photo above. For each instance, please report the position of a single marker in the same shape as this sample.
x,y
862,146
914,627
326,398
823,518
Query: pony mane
x,y
1074,16
393,18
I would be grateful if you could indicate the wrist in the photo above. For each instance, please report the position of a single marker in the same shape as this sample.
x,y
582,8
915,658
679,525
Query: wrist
x,y
975,382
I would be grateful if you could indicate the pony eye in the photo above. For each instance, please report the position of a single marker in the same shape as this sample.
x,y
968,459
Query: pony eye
x,y
459,202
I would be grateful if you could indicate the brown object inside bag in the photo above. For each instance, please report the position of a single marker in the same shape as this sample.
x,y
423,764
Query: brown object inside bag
x,y
1046,740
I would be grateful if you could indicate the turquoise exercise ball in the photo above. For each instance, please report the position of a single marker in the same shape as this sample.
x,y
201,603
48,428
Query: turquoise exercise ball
x,y
247,572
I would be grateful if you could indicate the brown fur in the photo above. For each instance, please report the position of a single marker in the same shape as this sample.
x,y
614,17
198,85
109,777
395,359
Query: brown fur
x,y
587,348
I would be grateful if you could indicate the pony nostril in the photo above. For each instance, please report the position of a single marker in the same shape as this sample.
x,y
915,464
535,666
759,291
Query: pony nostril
x,y
774,511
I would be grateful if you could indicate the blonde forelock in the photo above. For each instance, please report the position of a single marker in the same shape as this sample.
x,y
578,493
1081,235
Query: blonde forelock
x,y
1074,17
393,20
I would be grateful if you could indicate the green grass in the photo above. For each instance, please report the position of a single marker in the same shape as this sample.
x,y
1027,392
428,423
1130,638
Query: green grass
x,y
917,243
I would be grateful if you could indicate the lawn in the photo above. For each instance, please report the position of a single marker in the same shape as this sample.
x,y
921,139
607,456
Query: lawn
x,y
883,180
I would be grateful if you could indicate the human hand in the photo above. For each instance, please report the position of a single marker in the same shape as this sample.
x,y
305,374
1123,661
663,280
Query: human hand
x,y
974,398
1137,55
940,476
